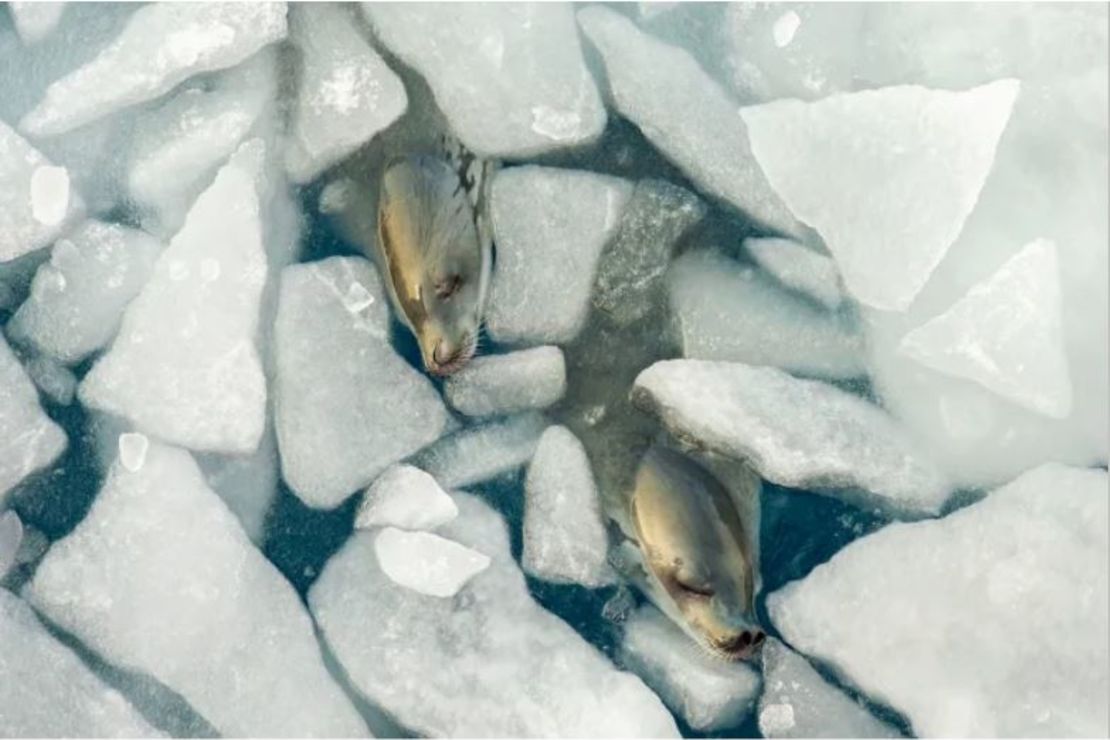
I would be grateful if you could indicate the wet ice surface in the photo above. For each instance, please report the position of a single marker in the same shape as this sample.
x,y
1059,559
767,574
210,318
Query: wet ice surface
x,y
863,248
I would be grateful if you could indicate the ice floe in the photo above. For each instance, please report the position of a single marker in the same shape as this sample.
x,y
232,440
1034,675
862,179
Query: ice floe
x,y
502,384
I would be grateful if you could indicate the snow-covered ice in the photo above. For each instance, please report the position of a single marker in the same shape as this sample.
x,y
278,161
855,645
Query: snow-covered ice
x,y
707,692
487,662
427,563
565,538
405,497
887,177
991,621
799,268
53,379
35,20
246,483
160,578
503,384
550,226
796,433
509,77
479,453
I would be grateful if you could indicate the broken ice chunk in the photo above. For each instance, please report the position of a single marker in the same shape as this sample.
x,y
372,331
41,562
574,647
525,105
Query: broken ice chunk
x,y
347,406
11,536
160,578
346,93
903,167
49,194
710,294
160,47
78,297
565,539
550,226
479,453
796,433
487,662
799,268
980,588
132,450
707,692
405,497
246,483
501,384
184,366
684,113
56,381
427,563
34,21
509,77
797,702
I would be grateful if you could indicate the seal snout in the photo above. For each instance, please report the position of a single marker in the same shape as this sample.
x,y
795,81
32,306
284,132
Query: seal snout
x,y
448,359
741,645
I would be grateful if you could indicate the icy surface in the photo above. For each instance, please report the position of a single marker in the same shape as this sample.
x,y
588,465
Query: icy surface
x,y
45,689
346,93
565,539
966,603
509,77
11,536
797,702
36,204
54,380
482,452
79,296
29,440
898,170
727,311
161,46
501,384
347,406
246,483
708,693
488,662
799,268
160,578
797,433
184,366
405,497
685,114
35,20
426,563
550,226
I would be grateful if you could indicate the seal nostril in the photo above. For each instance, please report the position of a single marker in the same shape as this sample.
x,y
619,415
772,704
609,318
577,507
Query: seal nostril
x,y
745,639
759,637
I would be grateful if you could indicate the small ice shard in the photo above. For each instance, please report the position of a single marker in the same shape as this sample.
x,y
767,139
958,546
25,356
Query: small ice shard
x,y
965,604
56,381
132,450
799,268
502,384
79,296
427,563
795,433
903,167
1005,334
160,578
184,366
707,692
785,28
708,294
565,539
47,691
405,497
346,93
33,211
347,406
246,483
489,662
35,20
509,77
160,47
11,537
29,440
550,226
797,702
482,452
685,114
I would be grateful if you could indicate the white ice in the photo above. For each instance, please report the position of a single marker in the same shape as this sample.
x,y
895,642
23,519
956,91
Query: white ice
x,y
405,497
991,621
11,537
427,563
550,226
53,379
35,20
502,384
484,451
160,578
246,483
799,268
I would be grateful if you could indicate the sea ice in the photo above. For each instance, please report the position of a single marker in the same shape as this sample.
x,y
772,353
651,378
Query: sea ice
x,y
901,169
509,77
502,384
799,268
796,433
710,292
486,662
184,366
427,563
79,296
34,21
707,692
54,380
160,47
346,93
482,452
964,605
565,539
405,497
246,483
347,406
11,536
550,226
160,578
684,113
